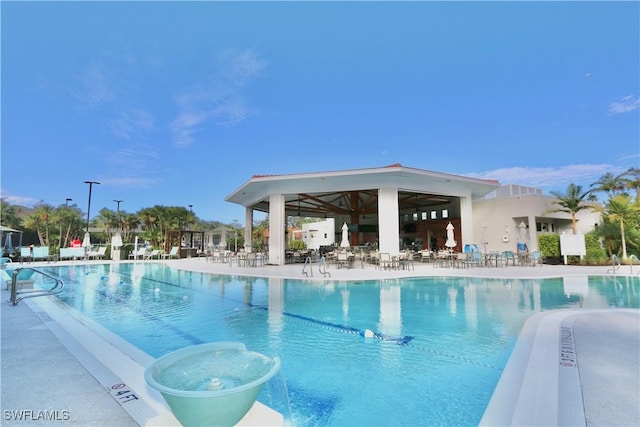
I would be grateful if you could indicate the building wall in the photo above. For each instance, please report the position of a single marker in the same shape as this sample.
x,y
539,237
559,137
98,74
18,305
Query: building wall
x,y
496,220
316,234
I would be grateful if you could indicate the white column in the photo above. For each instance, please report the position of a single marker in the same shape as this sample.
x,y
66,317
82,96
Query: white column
x,y
389,221
466,220
276,229
533,234
248,228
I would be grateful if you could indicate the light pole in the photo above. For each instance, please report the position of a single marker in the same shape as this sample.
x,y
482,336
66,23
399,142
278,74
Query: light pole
x,y
118,212
89,205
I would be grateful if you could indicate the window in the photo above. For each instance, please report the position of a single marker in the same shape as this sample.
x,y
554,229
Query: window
x,y
434,215
424,216
445,213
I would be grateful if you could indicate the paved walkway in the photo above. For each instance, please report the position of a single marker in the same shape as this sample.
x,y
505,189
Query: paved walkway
x,y
45,381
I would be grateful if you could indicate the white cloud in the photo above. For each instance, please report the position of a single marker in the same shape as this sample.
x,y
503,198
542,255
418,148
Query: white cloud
x,y
130,122
94,85
130,181
20,200
217,99
549,178
626,104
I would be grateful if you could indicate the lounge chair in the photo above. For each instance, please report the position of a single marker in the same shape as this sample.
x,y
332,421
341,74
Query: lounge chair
x,y
71,253
153,254
99,254
173,254
140,253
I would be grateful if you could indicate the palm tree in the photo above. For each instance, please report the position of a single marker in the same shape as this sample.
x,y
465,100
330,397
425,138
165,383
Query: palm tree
x,y
621,208
9,215
631,180
39,220
609,183
571,202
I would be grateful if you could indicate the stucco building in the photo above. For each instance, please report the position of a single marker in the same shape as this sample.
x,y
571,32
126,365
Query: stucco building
x,y
395,206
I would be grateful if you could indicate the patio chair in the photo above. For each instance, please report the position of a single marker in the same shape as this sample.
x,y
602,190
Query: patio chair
x,y
476,259
508,256
342,260
536,258
462,260
385,261
173,253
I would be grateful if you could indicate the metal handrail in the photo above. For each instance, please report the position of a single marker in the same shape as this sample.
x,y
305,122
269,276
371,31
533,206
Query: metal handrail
x,y
631,258
307,261
32,293
615,264
322,268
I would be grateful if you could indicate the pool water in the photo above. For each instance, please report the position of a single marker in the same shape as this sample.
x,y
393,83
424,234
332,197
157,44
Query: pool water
x,y
420,351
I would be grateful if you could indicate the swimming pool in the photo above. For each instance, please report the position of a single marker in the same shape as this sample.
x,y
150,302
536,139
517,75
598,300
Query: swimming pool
x,y
438,348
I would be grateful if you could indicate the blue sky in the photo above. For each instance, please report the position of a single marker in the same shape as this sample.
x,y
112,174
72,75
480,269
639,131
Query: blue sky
x,y
180,103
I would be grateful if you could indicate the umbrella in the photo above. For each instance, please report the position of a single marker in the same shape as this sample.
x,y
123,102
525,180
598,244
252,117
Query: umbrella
x,y
450,243
522,229
116,240
522,237
484,236
8,242
86,242
345,236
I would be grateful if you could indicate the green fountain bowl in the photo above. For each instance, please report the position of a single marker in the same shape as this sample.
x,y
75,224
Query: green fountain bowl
x,y
211,384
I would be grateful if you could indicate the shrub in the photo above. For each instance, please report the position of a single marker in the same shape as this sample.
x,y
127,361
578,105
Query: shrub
x,y
297,245
549,245
595,254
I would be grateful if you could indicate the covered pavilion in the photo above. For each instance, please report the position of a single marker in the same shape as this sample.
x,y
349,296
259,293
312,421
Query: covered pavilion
x,y
380,205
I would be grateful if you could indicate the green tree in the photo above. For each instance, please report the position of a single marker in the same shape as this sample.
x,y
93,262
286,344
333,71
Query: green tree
x,y
67,219
621,209
609,183
259,235
571,202
129,223
9,215
39,220
631,180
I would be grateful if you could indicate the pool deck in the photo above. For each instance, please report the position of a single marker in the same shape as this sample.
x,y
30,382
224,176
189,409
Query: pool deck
x,y
569,367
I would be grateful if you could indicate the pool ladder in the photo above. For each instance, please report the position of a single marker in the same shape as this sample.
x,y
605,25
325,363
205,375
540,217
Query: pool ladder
x,y
321,268
16,296
615,264
631,259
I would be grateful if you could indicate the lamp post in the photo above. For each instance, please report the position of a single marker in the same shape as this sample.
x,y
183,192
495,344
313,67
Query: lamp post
x,y
118,212
89,205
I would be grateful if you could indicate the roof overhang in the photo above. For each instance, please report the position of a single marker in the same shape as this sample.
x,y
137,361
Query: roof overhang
x,y
327,187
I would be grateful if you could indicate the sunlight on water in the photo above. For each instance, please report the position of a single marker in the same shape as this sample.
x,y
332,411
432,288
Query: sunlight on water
x,y
435,353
